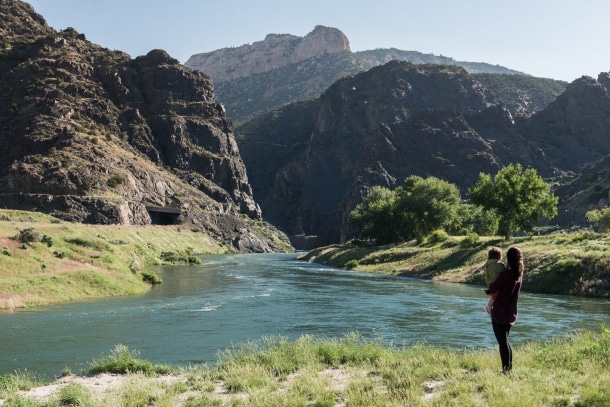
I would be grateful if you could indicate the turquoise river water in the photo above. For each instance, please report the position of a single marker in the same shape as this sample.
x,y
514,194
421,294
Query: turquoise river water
x,y
200,310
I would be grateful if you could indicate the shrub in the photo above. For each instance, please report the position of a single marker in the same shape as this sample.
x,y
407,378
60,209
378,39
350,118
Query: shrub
x,y
438,236
28,235
170,257
470,240
151,277
59,255
115,180
47,239
6,251
351,264
194,260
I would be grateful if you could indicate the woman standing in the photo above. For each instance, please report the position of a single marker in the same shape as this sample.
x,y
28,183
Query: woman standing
x,y
504,312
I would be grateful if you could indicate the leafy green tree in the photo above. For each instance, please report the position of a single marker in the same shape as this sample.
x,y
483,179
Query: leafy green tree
x,y
474,219
424,205
373,218
518,197
601,217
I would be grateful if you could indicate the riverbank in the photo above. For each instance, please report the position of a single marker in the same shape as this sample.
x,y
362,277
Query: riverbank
x,y
46,261
69,261
569,371
558,263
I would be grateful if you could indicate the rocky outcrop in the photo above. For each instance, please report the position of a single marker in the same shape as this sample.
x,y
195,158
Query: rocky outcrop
x,y
92,135
275,51
573,130
282,69
401,119
376,128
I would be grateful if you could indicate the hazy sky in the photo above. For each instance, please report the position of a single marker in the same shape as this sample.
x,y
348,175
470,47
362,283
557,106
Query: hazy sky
x,y
560,39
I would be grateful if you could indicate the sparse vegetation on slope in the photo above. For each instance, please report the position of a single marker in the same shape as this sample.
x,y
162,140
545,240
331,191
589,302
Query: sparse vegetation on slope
x,y
45,260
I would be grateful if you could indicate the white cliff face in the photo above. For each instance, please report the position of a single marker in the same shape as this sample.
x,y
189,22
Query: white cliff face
x,y
275,51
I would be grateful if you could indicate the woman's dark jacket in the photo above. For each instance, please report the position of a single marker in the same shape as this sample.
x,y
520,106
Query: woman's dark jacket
x,y
508,286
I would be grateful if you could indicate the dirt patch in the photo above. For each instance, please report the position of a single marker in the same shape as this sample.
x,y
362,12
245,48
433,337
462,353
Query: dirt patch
x,y
10,244
102,385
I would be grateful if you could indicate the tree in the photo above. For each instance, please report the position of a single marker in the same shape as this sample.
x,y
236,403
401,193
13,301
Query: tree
x,y
373,218
601,217
472,218
424,205
518,197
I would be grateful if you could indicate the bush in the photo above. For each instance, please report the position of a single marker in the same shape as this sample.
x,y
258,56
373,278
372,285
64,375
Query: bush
x,y
115,180
351,264
47,239
6,251
170,257
471,240
28,235
59,255
194,260
151,277
438,236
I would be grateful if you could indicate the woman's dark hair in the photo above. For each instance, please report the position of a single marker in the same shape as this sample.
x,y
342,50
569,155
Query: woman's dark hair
x,y
514,259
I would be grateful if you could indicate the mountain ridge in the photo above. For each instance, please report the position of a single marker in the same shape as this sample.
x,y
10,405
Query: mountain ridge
x,y
91,135
262,76
400,119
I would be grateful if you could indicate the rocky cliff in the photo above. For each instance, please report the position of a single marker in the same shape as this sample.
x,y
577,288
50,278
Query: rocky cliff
x,y
257,78
275,51
91,135
400,119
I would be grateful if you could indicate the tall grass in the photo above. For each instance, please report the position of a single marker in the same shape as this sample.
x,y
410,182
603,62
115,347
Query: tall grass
x,y
124,360
309,371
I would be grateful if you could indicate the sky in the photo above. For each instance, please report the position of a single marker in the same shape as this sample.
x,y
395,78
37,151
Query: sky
x,y
559,39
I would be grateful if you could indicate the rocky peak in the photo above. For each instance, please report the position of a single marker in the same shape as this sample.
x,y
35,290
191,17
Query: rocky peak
x,y
275,51
19,22
322,40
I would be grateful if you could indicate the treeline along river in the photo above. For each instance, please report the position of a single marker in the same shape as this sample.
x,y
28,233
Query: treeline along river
x,y
229,299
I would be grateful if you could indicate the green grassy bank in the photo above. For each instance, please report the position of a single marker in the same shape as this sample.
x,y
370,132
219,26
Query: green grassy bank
x,y
570,371
44,261
558,263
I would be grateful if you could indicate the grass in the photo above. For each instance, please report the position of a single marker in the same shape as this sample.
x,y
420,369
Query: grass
x,y
74,261
348,371
79,261
558,263
123,360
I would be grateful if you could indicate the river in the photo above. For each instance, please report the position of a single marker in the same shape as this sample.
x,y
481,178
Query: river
x,y
200,310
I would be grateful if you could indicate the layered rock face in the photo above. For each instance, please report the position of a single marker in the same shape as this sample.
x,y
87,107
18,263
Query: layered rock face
x,y
91,135
275,51
398,120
